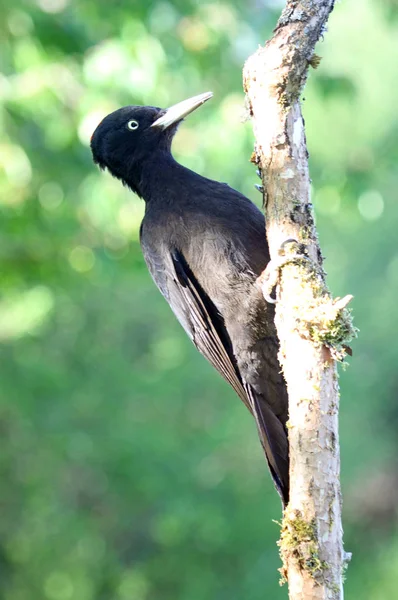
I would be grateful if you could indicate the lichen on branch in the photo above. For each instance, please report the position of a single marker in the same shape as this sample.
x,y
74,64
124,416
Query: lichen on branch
x,y
299,540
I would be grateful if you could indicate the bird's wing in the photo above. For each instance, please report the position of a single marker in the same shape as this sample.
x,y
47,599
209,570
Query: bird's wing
x,y
205,326
196,313
211,338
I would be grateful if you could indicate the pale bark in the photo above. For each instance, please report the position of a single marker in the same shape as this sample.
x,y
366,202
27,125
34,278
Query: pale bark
x,y
313,329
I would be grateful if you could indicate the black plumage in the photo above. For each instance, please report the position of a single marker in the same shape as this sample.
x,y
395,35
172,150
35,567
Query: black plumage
x,y
204,244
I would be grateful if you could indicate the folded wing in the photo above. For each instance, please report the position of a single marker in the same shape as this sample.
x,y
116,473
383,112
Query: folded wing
x,y
205,326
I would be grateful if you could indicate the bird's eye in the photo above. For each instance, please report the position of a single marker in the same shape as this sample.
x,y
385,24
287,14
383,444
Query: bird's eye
x,y
132,125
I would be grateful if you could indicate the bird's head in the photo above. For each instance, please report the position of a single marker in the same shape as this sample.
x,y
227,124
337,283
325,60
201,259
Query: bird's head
x,y
127,137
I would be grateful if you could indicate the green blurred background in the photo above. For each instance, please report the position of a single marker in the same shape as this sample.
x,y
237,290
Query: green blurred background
x,y
129,470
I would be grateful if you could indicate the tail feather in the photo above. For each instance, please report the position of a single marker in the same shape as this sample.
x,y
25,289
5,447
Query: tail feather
x,y
273,436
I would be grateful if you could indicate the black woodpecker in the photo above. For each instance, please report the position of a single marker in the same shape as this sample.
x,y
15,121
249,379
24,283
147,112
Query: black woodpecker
x,y
205,246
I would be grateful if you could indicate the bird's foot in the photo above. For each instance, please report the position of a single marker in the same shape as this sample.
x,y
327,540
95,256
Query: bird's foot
x,y
259,187
289,252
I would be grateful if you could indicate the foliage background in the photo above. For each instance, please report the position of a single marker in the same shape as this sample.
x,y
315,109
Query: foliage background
x,y
129,470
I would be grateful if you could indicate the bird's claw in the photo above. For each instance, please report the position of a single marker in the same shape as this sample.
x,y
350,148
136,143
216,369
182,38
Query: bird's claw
x,y
259,187
268,280
290,251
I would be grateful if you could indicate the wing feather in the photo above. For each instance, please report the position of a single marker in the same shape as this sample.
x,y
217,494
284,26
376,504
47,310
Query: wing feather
x,y
208,331
205,326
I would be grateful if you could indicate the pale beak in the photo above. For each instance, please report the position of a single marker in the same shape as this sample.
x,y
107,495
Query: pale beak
x,y
182,109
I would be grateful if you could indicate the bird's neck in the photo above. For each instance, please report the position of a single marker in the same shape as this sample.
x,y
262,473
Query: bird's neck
x,y
158,178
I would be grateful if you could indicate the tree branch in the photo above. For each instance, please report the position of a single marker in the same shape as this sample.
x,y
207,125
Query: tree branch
x,y
313,329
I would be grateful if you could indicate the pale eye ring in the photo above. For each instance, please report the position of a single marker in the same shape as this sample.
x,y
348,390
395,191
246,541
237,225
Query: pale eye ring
x,y
132,125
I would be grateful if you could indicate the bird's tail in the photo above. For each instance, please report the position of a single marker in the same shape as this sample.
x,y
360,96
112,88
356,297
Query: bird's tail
x,y
273,436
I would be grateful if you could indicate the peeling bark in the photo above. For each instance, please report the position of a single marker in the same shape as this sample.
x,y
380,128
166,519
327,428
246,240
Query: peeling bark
x,y
313,328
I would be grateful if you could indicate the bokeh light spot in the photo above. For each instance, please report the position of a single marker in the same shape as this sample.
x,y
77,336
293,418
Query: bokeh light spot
x,y
24,313
168,352
19,23
88,125
51,195
16,164
371,205
53,6
129,218
163,17
58,586
168,529
194,34
134,585
82,259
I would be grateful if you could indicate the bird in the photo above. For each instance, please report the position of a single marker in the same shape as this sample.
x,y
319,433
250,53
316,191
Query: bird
x,y
205,246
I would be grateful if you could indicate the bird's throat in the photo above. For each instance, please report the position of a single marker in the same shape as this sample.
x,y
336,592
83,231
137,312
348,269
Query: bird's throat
x,y
156,178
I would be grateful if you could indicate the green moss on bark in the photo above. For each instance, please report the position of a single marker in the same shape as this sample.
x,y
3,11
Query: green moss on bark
x,y
299,542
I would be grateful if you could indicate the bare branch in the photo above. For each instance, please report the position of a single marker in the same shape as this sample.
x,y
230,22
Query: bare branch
x,y
314,330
